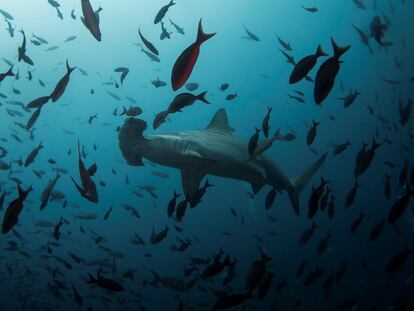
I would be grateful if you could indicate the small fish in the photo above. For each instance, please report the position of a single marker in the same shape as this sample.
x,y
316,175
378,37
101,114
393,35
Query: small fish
x,y
179,29
250,36
32,155
310,9
265,123
253,141
310,137
147,43
230,97
62,84
70,38
161,13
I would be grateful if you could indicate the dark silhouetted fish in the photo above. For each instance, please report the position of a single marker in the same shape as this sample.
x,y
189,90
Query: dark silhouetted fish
x,y
32,155
305,65
185,99
62,84
147,43
399,206
396,261
326,75
310,137
357,222
108,284
378,29
22,51
265,123
88,188
11,215
90,19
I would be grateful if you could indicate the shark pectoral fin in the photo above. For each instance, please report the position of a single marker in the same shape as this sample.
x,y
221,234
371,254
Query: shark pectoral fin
x,y
256,187
191,182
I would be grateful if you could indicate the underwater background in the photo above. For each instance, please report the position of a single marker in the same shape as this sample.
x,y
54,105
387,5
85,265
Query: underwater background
x,y
42,272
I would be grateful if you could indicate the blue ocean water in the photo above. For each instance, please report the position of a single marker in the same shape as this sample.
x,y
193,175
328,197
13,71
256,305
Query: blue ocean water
x,y
39,271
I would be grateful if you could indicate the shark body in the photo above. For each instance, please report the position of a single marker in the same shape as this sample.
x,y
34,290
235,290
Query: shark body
x,y
211,151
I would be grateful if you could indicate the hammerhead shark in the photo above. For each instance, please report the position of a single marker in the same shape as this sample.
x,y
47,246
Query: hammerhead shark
x,y
212,151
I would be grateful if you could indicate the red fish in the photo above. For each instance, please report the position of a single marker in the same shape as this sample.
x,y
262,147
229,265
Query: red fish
x,y
185,63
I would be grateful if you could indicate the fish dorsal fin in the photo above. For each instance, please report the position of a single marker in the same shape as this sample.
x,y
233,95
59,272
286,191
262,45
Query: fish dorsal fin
x,y
220,122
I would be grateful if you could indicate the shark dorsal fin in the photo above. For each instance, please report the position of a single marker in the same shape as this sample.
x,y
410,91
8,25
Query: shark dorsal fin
x,y
220,122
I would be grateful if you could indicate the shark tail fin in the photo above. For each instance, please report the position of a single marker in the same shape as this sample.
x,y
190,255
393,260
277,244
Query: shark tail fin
x,y
130,136
299,182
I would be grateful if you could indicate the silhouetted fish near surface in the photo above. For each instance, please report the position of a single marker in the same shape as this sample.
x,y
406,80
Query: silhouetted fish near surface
x,y
22,51
185,63
179,29
90,19
161,13
62,84
250,36
326,75
147,43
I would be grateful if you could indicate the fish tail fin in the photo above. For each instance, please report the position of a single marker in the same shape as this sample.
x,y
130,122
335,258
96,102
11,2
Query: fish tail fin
x,y
171,3
320,52
68,68
123,111
338,51
299,182
202,97
130,136
23,193
201,36
10,72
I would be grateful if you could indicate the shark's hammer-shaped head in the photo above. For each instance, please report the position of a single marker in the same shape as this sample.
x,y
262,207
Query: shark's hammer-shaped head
x,y
132,141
